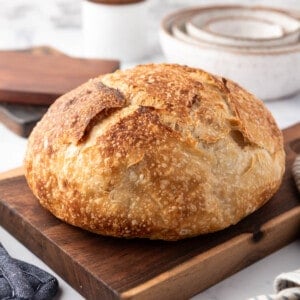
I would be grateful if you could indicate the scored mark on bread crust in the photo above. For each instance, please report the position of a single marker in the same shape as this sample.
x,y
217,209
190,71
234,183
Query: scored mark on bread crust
x,y
239,138
115,92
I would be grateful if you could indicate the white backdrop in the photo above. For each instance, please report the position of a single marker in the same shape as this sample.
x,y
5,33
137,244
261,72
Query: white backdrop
x,y
25,23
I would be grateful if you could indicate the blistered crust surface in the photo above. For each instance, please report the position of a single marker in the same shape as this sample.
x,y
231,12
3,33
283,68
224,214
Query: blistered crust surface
x,y
159,151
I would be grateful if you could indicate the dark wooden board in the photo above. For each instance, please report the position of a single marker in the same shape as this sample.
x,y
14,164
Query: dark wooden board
x,y
109,268
40,78
22,117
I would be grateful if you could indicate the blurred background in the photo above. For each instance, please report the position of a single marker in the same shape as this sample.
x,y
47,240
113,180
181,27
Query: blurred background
x,y
58,23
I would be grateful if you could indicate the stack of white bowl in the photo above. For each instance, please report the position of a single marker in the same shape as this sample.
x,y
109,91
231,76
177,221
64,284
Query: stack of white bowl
x,y
258,47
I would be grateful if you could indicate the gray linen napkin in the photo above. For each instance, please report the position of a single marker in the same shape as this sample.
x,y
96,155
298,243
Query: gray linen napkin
x,y
20,280
287,285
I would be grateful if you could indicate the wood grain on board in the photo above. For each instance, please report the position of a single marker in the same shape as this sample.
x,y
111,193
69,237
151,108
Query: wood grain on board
x,y
110,268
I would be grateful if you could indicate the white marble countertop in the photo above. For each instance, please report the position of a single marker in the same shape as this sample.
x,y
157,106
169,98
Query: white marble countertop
x,y
57,23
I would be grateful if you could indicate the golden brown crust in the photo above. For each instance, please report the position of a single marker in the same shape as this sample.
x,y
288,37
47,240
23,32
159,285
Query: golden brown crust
x,y
159,151
72,115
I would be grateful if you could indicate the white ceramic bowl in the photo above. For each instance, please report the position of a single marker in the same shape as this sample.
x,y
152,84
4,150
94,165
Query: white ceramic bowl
x,y
269,73
179,30
244,26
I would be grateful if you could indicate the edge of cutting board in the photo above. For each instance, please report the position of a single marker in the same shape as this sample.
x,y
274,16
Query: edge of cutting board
x,y
12,173
191,277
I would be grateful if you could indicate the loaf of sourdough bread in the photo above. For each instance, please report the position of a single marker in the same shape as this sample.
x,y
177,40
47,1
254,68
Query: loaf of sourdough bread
x,y
159,151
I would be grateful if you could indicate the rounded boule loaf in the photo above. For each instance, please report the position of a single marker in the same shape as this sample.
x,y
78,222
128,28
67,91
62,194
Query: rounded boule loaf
x,y
159,151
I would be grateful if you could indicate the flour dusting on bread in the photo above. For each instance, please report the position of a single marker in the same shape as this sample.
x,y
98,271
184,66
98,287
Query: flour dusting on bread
x,y
160,151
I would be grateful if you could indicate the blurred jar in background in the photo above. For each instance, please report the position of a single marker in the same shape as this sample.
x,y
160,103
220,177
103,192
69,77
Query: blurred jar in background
x,y
115,29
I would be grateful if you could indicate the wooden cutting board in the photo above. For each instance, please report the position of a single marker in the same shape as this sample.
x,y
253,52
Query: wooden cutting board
x,y
38,77
22,116
110,268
